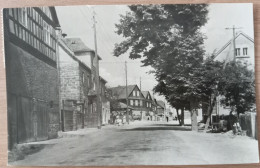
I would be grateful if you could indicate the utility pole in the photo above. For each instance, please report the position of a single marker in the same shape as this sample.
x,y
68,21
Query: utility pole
x,y
99,113
126,90
234,39
141,100
140,83
164,110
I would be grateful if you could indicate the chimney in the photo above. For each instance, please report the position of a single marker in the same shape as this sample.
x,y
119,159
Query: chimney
x,y
64,35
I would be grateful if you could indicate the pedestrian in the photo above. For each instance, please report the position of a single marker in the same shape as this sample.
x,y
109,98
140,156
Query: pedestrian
x,y
114,119
167,119
124,119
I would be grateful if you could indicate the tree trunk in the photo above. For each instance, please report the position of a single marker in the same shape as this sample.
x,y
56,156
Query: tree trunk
x,y
205,106
194,111
182,117
177,110
210,109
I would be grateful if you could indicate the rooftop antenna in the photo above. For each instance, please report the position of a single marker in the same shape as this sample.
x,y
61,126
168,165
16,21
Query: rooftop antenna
x,y
234,39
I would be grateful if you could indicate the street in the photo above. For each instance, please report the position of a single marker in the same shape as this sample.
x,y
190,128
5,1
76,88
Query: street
x,y
144,143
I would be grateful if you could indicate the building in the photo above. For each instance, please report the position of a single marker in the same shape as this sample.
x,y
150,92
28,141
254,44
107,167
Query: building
x,y
135,99
31,73
86,56
105,96
244,53
244,50
160,110
75,84
149,106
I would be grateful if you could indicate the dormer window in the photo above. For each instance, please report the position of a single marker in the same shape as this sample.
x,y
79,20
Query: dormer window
x,y
244,51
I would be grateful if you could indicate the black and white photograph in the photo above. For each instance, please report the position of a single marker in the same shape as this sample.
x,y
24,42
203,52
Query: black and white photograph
x,y
120,85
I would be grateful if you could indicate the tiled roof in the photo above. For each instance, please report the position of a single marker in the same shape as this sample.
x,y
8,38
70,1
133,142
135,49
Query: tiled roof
x,y
160,103
120,91
76,45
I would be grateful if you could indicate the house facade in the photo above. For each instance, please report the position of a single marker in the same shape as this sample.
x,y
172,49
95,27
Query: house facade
x,y
31,73
134,97
149,106
244,53
75,84
86,56
141,103
105,101
160,110
244,50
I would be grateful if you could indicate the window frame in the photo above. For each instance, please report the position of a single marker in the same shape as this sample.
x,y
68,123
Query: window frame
x,y
237,51
245,50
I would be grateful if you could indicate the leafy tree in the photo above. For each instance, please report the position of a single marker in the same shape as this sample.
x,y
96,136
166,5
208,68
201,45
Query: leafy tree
x,y
237,87
168,38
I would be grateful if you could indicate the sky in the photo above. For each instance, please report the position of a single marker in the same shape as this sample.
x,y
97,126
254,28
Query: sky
x,y
76,21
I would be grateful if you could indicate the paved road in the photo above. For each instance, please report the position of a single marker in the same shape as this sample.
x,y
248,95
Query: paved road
x,y
145,143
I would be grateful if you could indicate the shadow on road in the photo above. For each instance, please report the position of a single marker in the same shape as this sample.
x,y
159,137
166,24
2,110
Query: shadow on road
x,y
159,127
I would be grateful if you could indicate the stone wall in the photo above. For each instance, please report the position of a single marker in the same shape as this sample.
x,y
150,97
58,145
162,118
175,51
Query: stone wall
x,y
31,78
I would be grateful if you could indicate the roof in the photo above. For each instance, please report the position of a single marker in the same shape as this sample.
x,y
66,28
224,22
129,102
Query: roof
x,y
77,45
102,79
145,93
160,103
120,91
63,45
229,42
54,16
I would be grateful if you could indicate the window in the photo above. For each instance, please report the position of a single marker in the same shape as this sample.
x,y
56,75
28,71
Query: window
x,y
46,31
23,35
33,12
15,14
244,51
11,26
136,103
20,32
137,93
16,29
22,14
37,17
141,102
10,12
28,11
237,52
94,86
134,93
131,102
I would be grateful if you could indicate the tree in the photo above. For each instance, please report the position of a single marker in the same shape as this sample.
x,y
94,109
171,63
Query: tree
x,y
168,38
237,87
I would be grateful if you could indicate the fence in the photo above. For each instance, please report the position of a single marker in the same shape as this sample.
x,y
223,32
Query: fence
x,y
248,123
